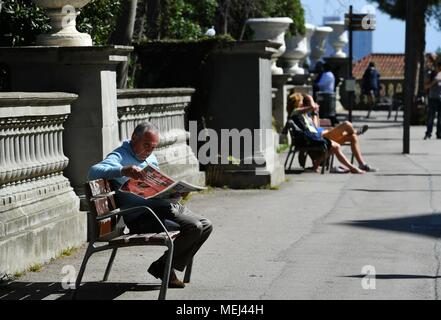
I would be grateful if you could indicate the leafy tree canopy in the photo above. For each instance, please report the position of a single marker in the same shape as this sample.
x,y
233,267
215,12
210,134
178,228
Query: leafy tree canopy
x,y
397,9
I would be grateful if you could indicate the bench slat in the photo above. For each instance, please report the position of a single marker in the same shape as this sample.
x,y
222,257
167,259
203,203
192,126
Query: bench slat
x,y
145,238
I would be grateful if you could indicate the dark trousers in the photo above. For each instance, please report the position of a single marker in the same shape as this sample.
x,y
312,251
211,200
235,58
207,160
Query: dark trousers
x,y
194,229
433,109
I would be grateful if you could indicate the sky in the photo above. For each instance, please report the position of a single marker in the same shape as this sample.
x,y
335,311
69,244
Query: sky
x,y
389,36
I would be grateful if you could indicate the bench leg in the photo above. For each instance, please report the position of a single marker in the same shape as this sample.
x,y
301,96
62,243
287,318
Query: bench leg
x,y
109,264
187,274
324,163
166,276
291,153
87,255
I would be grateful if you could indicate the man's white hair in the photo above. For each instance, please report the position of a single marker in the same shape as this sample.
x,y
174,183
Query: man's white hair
x,y
143,127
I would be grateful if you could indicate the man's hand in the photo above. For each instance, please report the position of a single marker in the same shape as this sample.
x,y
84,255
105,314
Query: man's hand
x,y
133,172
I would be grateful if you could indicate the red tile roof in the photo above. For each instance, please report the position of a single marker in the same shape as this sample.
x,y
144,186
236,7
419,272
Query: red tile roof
x,y
389,65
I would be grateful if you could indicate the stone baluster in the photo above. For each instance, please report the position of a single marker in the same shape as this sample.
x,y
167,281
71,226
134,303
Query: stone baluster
x,y
39,212
165,108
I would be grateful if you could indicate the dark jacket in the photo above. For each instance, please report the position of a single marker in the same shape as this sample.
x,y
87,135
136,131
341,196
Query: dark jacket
x,y
371,80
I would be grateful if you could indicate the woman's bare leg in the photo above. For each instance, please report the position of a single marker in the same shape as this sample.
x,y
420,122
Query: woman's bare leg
x,y
338,133
355,147
336,149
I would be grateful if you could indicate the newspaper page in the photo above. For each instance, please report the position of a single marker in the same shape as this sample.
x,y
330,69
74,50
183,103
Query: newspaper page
x,y
158,185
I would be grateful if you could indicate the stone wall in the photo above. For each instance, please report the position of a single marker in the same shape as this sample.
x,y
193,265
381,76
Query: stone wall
x,y
39,212
166,109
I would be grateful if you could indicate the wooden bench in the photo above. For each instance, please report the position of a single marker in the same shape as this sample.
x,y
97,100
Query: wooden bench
x,y
106,232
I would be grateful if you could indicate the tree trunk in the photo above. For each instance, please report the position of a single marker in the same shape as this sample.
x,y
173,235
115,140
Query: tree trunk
x,y
223,15
153,15
123,35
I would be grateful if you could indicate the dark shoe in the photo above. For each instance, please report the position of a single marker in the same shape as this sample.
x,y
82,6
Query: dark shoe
x,y
362,130
156,269
426,137
174,282
367,168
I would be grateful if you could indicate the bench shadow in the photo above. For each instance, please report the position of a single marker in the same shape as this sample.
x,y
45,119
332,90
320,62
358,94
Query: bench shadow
x,y
427,225
294,171
88,290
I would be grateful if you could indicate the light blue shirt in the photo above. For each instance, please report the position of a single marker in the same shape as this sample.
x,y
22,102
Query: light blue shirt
x,y
110,167
326,82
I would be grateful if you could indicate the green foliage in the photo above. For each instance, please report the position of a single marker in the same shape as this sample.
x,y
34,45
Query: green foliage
x,y
283,147
397,9
20,22
98,19
286,8
241,10
186,19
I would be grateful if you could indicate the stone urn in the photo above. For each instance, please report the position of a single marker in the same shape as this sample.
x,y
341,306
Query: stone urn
x,y
296,50
310,30
63,14
318,43
272,29
338,38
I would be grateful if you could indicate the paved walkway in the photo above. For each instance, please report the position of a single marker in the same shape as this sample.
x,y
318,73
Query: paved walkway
x,y
308,240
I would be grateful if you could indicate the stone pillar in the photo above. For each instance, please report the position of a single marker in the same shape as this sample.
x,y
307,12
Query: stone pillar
x,y
279,102
240,102
166,109
92,129
39,212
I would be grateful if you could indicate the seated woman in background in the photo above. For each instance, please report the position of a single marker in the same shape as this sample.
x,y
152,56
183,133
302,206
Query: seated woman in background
x,y
299,113
341,134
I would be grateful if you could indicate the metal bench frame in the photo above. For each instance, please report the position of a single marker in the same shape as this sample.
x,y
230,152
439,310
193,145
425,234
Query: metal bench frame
x,y
101,240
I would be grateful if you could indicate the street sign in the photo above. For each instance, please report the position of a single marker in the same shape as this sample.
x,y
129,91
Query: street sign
x,y
360,22
350,85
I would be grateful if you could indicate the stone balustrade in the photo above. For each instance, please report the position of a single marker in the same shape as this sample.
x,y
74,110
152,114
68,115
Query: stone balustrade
x,y
165,108
390,88
39,212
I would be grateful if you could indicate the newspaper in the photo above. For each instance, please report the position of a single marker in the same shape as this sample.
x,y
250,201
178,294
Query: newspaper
x,y
158,185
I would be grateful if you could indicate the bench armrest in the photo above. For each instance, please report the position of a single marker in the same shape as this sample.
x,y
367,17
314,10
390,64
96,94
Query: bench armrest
x,y
132,210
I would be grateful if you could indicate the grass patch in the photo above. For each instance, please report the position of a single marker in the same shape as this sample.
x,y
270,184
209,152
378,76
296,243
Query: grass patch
x,y
67,252
282,148
35,267
269,187
19,274
209,189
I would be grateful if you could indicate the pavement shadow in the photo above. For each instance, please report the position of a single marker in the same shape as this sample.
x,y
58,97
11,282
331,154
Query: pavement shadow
x,y
392,190
393,276
427,225
54,291
409,174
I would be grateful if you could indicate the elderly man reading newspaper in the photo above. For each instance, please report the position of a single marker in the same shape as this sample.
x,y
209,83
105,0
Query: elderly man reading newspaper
x,y
127,162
